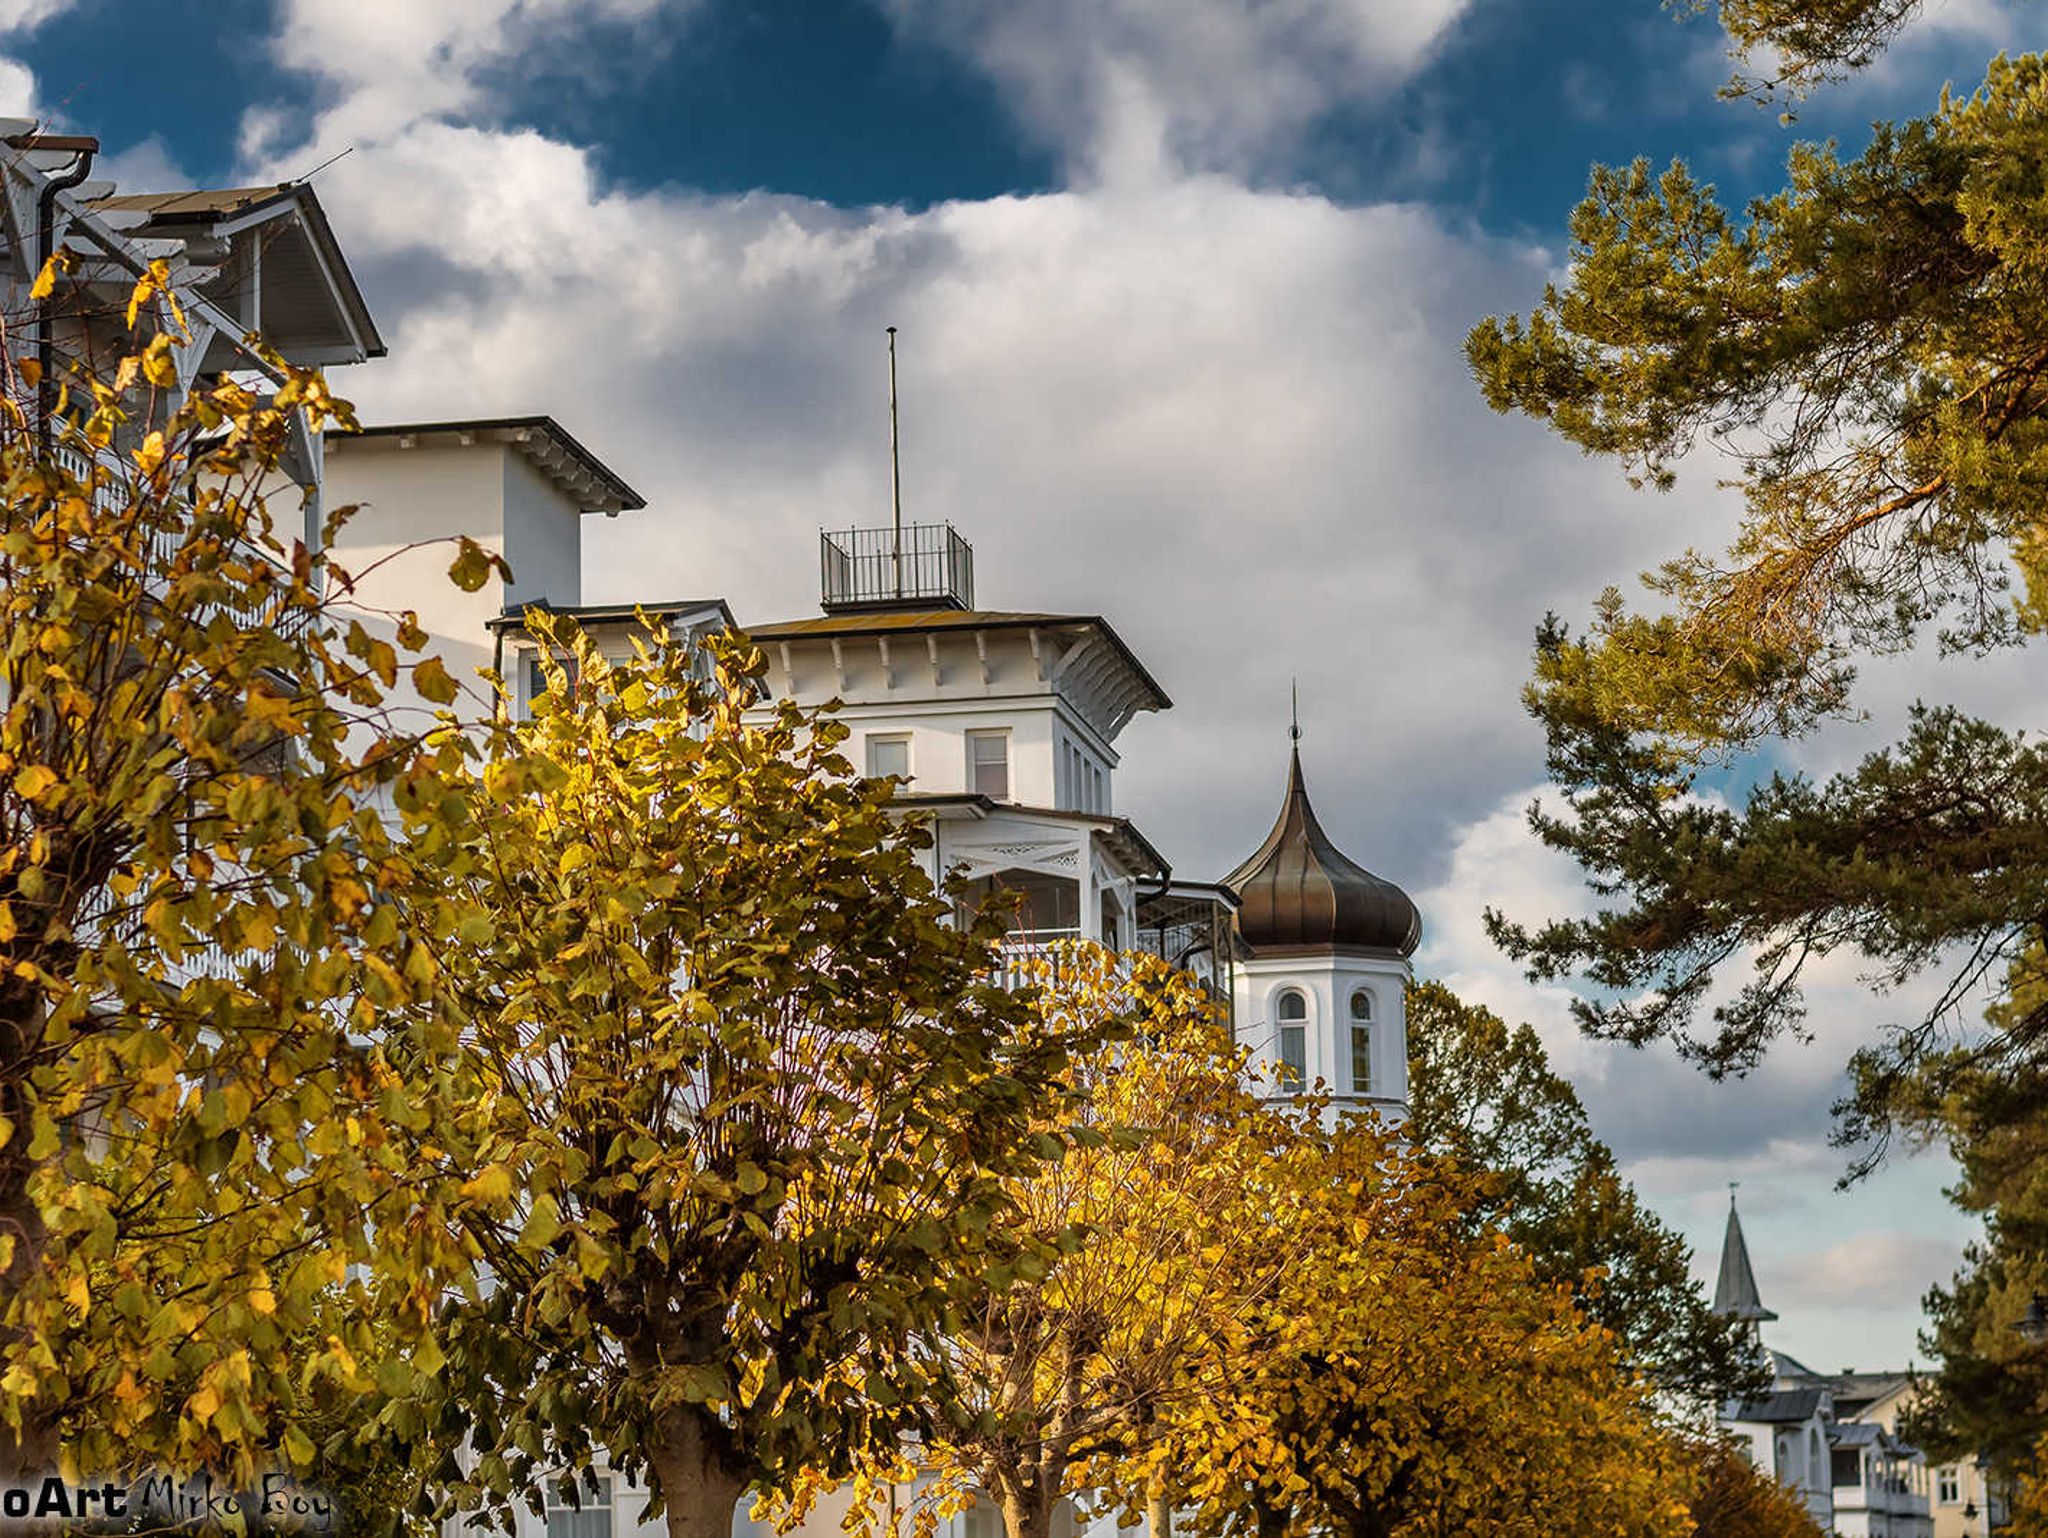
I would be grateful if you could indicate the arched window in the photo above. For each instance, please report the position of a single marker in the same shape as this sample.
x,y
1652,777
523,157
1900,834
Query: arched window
x,y
1361,1043
1815,1479
1292,1010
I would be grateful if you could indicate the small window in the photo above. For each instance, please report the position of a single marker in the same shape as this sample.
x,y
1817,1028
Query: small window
x,y
1361,1043
537,678
1950,1483
1846,1468
583,1512
888,755
1293,1013
988,764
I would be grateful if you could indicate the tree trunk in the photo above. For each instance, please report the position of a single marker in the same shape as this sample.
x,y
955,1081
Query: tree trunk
x,y
697,1490
1027,1509
1158,1512
31,1453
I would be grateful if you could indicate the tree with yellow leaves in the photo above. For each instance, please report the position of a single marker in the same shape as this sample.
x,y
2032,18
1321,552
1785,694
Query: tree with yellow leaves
x,y
1732,1498
1133,1265
1407,1378
753,1098
212,1068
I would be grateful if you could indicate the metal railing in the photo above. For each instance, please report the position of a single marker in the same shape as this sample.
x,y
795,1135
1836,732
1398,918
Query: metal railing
x,y
922,564
1025,953
164,543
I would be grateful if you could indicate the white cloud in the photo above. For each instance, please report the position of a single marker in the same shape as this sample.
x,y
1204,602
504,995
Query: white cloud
x,y
26,15
393,63
1872,1270
1131,89
17,89
18,95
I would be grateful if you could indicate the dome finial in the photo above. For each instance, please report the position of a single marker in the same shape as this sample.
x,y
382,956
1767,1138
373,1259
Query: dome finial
x,y
1294,695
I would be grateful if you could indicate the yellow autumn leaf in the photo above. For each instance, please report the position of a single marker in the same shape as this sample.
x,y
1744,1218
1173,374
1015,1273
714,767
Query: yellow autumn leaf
x,y
491,1184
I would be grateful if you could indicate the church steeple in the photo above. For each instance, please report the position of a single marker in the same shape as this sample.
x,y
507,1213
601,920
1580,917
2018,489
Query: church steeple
x,y
1735,1293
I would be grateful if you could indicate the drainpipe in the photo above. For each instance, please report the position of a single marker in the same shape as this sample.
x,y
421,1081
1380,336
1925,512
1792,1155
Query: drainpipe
x,y
83,147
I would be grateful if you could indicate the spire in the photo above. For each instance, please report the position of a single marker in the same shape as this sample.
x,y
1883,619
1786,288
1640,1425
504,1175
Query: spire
x,y
1735,1294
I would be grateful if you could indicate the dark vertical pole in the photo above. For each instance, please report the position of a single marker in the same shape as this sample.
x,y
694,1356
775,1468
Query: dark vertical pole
x,y
895,469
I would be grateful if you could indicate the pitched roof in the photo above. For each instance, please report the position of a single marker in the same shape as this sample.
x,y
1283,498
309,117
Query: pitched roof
x,y
1735,1294
292,272
1786,1366
554,450
513,617
1780,1407
199,205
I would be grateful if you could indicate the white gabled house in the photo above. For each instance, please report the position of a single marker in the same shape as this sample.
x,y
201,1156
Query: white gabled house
x,y
1830,1438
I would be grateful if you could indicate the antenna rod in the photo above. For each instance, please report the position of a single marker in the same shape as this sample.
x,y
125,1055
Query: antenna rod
x,y
895,467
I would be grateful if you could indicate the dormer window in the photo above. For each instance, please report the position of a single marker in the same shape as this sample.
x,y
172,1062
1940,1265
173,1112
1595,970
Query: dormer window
x,y
1361,1042
988,764
1292,1011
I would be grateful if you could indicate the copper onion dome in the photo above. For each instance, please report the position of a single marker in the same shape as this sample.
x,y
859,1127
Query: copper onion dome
x,y
1301,890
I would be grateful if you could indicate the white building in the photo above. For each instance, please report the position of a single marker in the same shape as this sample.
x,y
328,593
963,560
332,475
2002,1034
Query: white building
x,y
1831,1438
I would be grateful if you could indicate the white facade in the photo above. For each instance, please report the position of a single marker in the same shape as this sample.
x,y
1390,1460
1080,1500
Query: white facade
x,y
519,487
1350,1035
1003,728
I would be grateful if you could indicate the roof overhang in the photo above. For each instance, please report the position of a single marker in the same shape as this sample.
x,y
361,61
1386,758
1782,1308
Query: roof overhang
x,y
278,268
584,479
589,616
1119,833
1081,655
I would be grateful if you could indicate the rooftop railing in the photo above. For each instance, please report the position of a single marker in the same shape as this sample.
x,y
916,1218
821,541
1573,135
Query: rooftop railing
x,y
921,565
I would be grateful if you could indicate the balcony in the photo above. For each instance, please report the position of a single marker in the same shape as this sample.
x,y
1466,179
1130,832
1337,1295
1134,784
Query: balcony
x,y
105,478
920,566
1032,956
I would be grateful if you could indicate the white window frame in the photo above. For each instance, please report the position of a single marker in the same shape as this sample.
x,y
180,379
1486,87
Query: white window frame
x,y
991,734
1949,1482
1292,1032
874,740
1360,1026
592,1515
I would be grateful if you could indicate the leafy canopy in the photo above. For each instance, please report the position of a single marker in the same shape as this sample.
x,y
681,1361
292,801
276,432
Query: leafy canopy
x,y
1139,1245
1869,348
1868,351
753,1099
1408,1377
1485,1096
208,1124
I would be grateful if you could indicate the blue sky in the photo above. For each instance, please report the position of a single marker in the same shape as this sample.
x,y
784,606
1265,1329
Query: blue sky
x,y
831,99
1182,286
